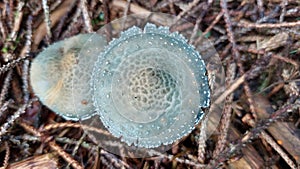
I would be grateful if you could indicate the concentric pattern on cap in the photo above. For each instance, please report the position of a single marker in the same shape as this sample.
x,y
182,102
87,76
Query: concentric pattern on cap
x,y
149,86
54,70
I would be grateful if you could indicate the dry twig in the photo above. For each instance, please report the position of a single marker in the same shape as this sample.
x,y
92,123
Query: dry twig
x,y
246,24
52,144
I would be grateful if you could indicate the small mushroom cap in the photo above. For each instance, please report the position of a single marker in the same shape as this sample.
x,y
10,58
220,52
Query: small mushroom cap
x,y
149,86
54,71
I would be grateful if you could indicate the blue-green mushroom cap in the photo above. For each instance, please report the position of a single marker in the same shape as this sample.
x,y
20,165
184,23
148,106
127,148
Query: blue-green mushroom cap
x,y
150,86
60,78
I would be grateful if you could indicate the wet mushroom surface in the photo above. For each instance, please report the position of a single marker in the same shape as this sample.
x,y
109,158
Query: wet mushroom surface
x,y
53,71
150,86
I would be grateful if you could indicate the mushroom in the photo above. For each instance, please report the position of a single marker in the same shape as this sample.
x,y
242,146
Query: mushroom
x,y
150,86
60,75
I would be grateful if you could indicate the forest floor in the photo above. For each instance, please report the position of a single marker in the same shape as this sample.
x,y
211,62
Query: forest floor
x,y
257,41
